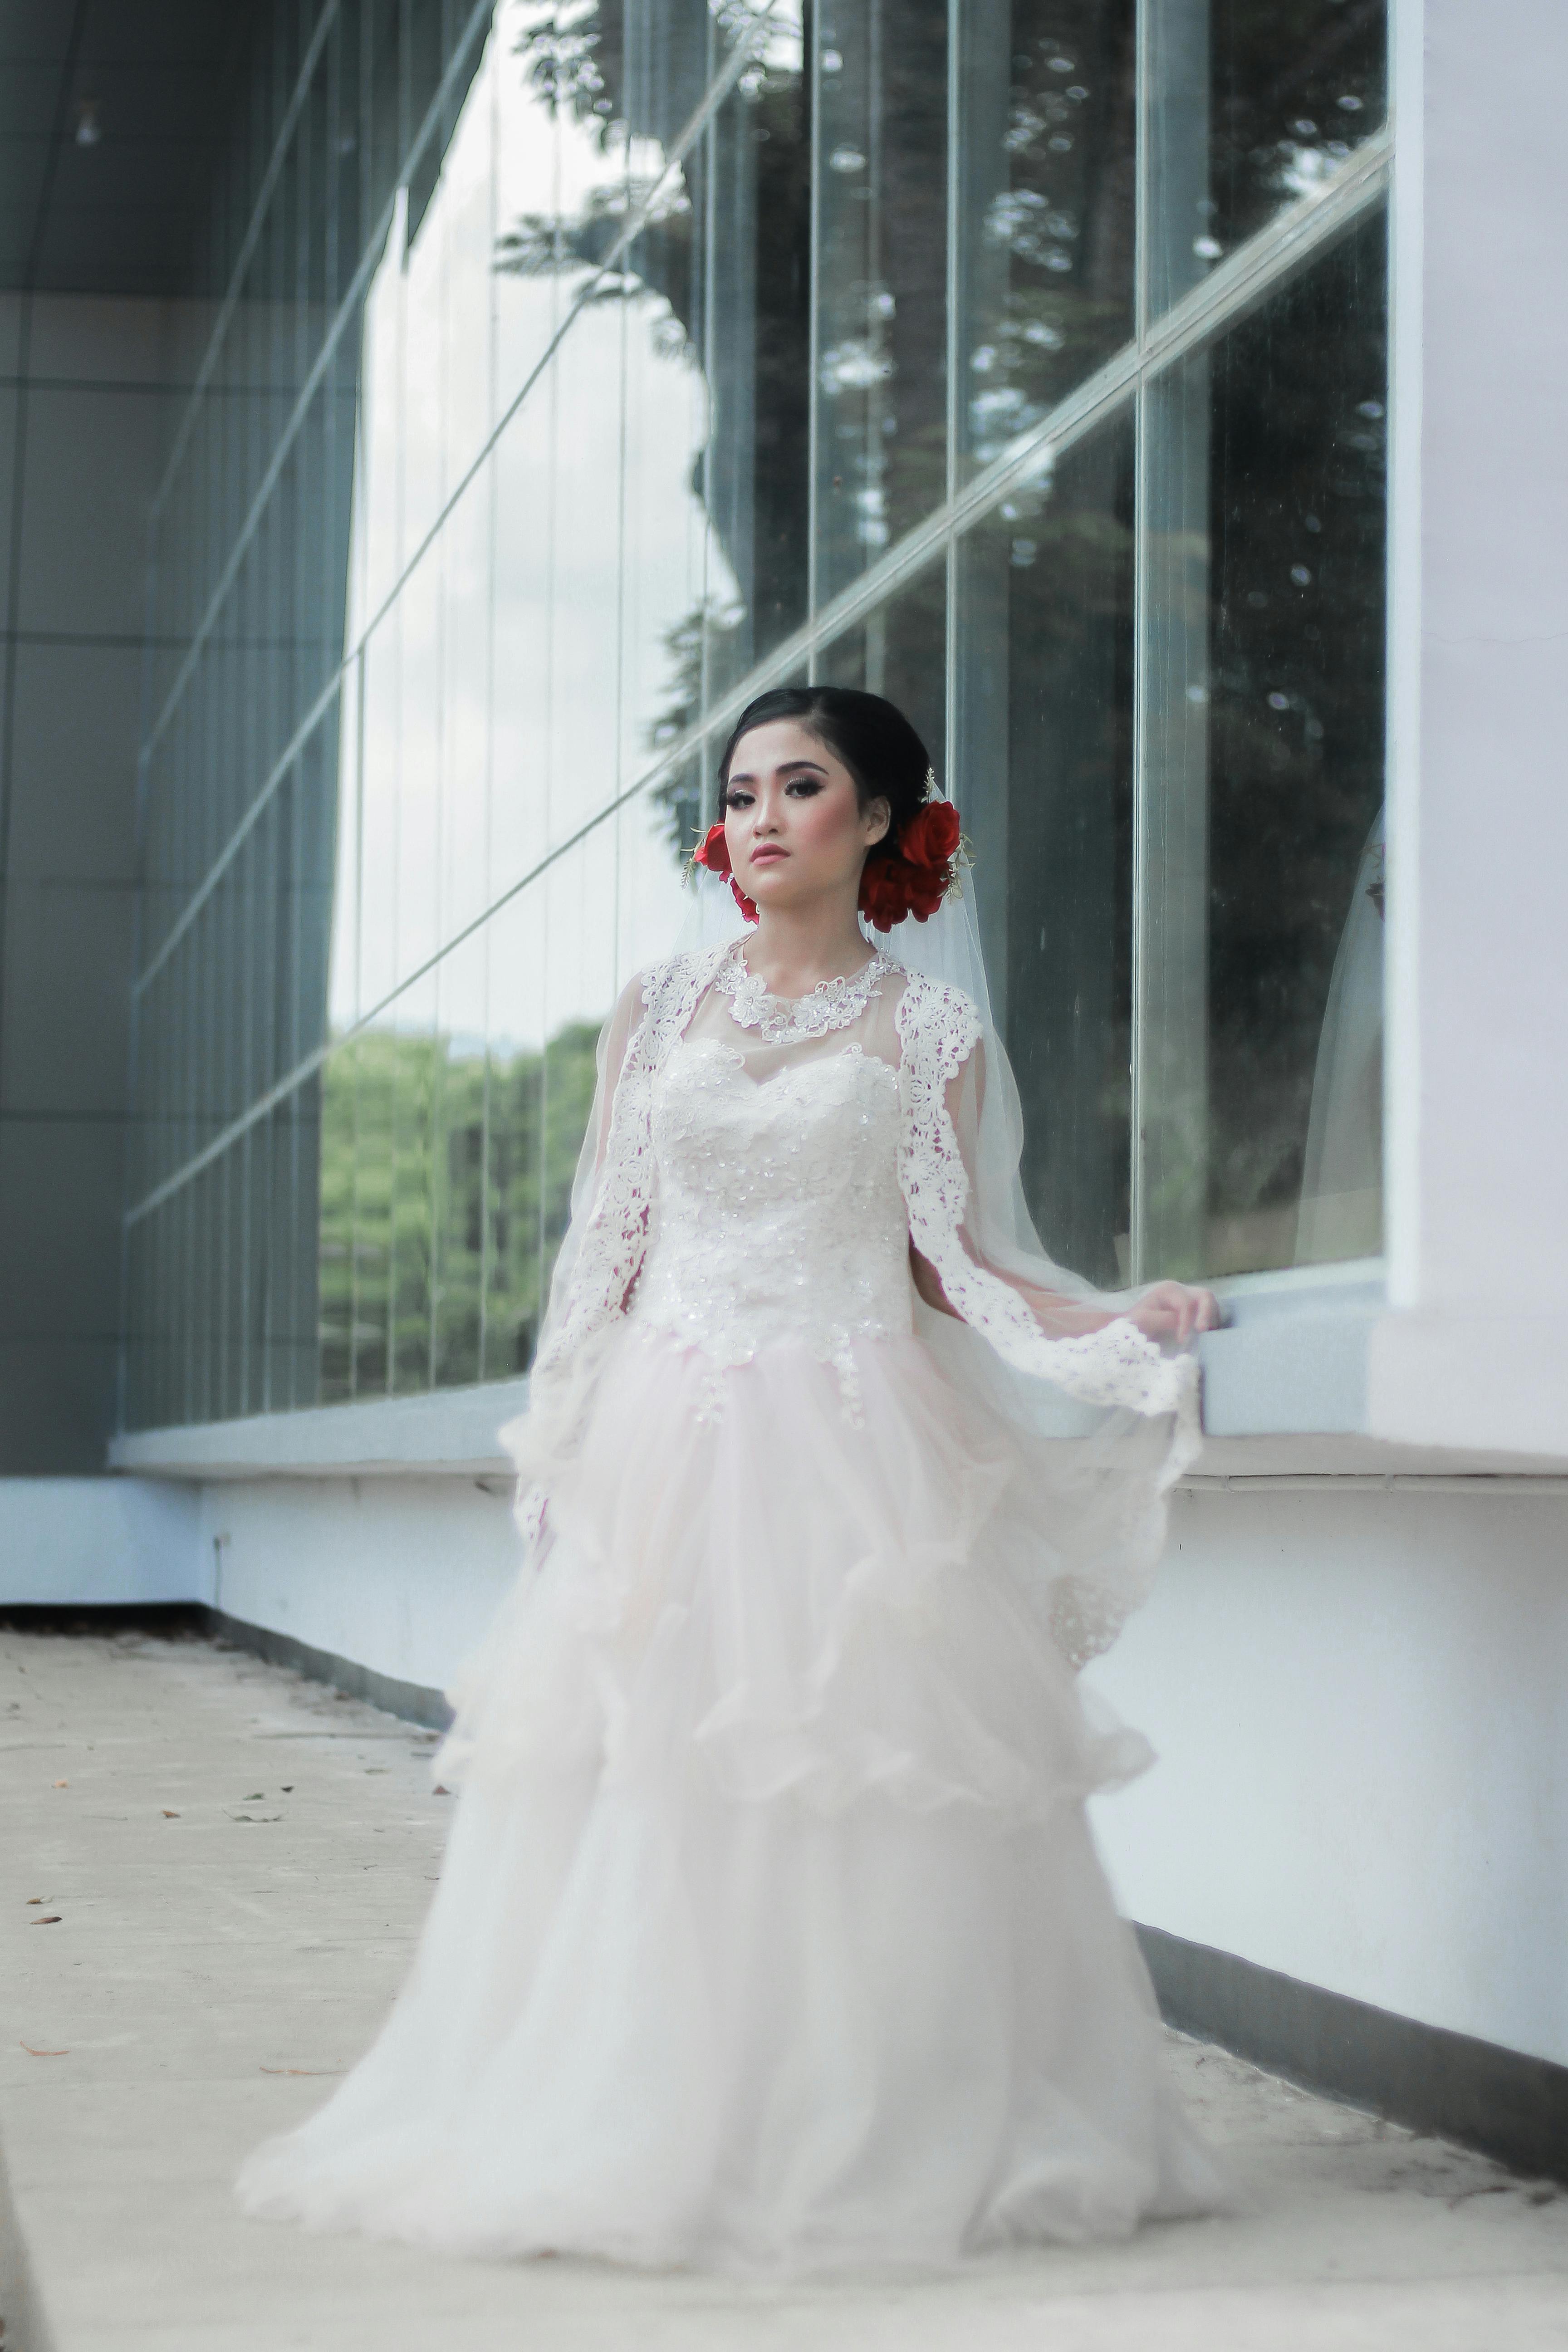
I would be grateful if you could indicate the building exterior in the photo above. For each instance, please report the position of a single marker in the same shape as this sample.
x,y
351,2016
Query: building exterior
x,y
1156,398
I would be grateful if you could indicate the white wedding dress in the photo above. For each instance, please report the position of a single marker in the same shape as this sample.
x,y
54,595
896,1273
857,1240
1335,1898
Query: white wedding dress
x,y
771,1932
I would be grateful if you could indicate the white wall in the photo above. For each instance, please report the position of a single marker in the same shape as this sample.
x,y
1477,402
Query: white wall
x,y
401,1575
1476,1350
1360,1703
119,1540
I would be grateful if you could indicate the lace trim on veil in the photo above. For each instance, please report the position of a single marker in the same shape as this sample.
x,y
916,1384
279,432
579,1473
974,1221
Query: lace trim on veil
x,y
1117,1368
939,1029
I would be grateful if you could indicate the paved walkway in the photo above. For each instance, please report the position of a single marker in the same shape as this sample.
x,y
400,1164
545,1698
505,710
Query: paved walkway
x,y
213,1874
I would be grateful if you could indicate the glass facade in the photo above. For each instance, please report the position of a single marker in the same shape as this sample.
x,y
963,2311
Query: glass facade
x,y
568,373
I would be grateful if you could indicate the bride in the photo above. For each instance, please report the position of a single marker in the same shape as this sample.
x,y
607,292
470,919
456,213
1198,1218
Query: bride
x,y
771,1932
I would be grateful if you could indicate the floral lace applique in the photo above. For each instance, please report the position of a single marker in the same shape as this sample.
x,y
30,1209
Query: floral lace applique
x,y
780,1221
615,1237
785,1021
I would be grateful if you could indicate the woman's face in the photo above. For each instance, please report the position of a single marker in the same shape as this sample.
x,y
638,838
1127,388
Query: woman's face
x,y
792,821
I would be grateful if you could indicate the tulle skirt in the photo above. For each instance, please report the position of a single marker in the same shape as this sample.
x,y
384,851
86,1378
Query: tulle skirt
x,y
771,1933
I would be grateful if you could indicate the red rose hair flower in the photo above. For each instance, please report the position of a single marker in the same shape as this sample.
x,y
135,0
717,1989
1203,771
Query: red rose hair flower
x,y
713,852
916,876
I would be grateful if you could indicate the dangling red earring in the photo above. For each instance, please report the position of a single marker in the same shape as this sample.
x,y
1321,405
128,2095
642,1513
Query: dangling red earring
x,y
713,852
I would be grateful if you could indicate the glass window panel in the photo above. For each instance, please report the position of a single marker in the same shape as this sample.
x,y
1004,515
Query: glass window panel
x,y
1252,109
560,170
900,650
1044,782
751,181
419,712
516,944
1047,178
585,579
675,581
335,1315
415,1035
1262,1086
881,327
376,1063
655,834
459,1169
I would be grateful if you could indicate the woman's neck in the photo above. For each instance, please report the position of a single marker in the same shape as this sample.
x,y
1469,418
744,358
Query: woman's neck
x,y
795,948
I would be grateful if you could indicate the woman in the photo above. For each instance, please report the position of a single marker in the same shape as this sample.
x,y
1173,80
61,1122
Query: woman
x,y
771,1931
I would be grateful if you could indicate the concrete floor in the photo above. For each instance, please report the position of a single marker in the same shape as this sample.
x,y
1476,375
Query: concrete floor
x,y
213,1876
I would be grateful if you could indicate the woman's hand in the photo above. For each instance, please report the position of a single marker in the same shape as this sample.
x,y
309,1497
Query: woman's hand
x,y
1174,1310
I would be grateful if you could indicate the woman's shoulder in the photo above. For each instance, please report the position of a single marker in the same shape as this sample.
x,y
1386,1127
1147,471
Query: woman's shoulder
x,y
671,975
938,1017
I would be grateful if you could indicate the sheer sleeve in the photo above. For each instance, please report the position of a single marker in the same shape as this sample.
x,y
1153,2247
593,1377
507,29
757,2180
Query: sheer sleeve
x,y
969,1223
1063,1305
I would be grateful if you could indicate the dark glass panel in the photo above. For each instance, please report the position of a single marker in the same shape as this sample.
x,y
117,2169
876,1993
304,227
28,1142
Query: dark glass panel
x,y
1255,103
882,328
1047,174
1297,590
1045,785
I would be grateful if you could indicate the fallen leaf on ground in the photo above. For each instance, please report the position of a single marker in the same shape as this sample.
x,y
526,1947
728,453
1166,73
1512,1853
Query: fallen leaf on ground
x,y
44,2053
255,1797
49,1919
443,1792
302,2070
288,1788
35,1898
168,1816
62,1784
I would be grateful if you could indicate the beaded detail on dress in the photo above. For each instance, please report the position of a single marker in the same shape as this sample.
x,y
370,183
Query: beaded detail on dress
x,y
779,1220
785,1020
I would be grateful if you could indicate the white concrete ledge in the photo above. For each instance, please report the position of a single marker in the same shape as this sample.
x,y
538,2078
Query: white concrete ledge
x,y
450,1433
1286,1395
1291,1359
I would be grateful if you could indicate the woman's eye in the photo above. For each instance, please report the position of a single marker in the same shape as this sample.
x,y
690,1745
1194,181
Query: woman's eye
x,y
805,787
738,800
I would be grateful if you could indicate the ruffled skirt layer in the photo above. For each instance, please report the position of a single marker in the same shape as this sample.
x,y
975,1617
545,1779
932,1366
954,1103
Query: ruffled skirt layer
x,y
771,1932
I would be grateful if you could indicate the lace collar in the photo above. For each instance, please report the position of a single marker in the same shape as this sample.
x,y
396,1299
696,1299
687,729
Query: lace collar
x,y
783,1020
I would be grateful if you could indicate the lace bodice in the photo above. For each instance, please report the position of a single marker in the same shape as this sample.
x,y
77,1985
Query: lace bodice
x,y
777,1217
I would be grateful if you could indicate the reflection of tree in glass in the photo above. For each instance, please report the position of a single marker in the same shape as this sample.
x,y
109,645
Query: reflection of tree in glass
x,y
443,1177
1052,276
749,331
1295,85
1296,530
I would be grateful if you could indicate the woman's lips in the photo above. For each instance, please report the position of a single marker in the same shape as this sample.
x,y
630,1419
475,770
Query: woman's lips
x,y
767,854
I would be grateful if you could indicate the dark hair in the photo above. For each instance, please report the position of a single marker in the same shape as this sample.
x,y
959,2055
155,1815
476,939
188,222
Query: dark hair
x,y
870,734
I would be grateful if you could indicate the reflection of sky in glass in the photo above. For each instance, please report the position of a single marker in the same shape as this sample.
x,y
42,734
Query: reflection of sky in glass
x,y
512,681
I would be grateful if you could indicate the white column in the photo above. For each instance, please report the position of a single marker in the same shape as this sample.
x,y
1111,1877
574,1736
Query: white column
x,y
1474,1349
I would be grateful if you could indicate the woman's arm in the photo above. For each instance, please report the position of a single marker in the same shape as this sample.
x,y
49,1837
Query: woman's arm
x,y
1165,1310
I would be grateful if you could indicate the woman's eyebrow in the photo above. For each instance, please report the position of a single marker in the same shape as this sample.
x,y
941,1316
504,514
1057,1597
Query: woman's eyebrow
x,y
744,775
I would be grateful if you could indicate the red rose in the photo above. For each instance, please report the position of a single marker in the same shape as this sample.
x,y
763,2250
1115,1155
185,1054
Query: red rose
x,y
931,837
883,899
916,878
713,852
